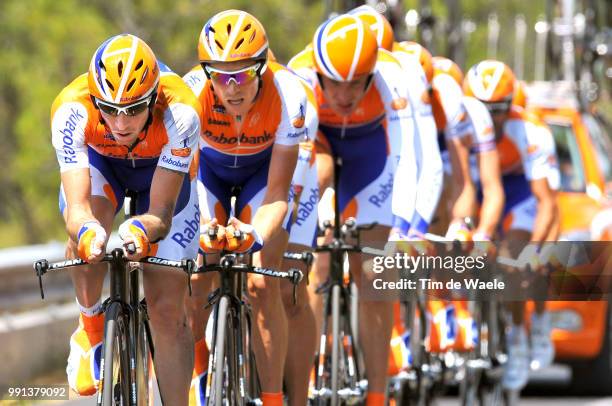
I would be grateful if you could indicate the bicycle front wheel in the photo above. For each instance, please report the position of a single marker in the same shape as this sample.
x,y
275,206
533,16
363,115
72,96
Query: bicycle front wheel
x,y
335,351
144,360
114,366
217,365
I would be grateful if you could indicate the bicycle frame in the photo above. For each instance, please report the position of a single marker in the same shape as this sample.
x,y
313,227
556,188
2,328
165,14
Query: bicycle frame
x,y
238,364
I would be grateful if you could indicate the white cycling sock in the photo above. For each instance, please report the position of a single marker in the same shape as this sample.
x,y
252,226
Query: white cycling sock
x,y
90,311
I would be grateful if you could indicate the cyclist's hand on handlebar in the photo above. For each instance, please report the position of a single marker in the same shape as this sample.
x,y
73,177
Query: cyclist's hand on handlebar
x,y
483,246
530,256
91,241
132,231
413,243
242,237
459,231
212,237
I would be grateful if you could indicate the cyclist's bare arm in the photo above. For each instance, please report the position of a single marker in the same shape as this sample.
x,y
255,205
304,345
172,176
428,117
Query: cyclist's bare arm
x,y
547,209
165,188
325,165
269,217
77,188
492,190
463,191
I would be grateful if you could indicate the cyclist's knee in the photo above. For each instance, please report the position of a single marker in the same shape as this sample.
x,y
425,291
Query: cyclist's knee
x,y
263,289
167,314
296,307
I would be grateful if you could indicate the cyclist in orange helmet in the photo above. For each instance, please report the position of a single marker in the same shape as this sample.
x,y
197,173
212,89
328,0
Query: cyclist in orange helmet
x,y
530,177
254,116
363,111
129,123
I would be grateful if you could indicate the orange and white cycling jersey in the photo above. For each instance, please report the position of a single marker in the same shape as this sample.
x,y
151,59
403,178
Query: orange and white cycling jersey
x,y
228,158
527,153
277,117
305,183
378,130
528,147
169,141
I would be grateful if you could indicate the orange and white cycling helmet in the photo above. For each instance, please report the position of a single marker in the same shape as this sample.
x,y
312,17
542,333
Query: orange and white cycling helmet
x,y
123,70
447,66
520,94
232,35
491,82
418,51
344,48
379,25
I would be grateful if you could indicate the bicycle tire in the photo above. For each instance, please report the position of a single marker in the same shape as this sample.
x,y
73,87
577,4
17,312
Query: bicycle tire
x,y
144,362
215,397
490,391
115,385
233,387
335,350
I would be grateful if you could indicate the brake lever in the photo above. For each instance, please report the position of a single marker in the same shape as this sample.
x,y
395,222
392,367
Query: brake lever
x,y
41,268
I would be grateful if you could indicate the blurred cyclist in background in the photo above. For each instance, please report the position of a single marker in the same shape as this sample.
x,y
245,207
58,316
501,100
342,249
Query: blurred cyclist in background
x,y
254,116
530,177
129,124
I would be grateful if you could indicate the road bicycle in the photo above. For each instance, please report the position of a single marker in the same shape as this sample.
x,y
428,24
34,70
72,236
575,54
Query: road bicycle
x,y
127,350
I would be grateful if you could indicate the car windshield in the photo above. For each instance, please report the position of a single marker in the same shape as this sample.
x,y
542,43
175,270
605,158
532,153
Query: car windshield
x,y
570,161
603,146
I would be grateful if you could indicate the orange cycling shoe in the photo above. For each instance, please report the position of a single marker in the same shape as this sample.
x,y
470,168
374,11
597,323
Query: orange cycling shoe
x,y
83,369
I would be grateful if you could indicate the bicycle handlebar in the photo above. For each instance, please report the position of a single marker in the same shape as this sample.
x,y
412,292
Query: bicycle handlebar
x,y
228,263
43,266
306,257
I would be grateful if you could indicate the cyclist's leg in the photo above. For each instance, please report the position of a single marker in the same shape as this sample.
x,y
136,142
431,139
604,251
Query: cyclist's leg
x,y
270,333
518,224
300,318
302,334
374,315
86,341
320,268
365,194
166,293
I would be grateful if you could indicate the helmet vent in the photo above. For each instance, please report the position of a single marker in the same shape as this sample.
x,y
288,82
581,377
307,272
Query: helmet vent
x,y
101,65
211,29
253,36
110,85
139,65
120,68
144,75
131,84
239,43
247,27
229,29
218,44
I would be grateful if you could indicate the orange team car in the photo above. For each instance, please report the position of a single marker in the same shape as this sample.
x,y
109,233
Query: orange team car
x,y
582,330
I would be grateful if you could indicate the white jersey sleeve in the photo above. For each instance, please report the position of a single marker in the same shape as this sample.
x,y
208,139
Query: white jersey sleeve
x,y
195,79
451,101
413,142
68,136
292,127
480,125
183,128
537,148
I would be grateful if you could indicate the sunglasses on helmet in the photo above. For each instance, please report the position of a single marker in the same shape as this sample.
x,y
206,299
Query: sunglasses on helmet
x,y
239,77
129,110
